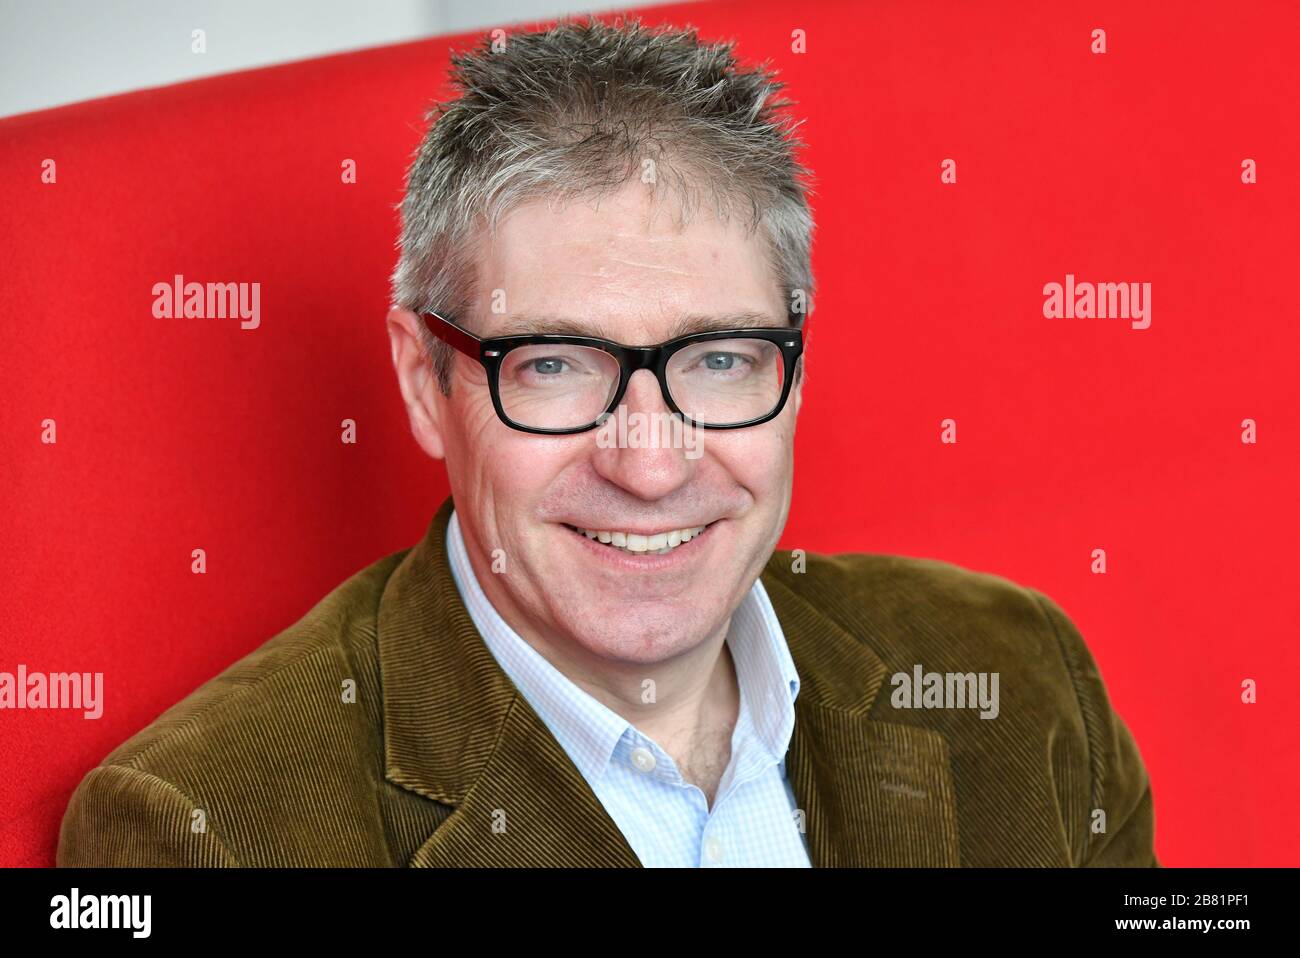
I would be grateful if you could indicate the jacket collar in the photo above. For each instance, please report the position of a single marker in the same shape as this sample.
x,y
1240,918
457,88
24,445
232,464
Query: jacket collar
x,y
872,792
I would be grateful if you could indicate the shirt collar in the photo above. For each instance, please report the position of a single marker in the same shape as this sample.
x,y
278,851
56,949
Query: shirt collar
x,y
590,731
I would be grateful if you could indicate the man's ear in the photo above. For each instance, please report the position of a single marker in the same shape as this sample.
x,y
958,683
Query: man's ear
x,y
425,404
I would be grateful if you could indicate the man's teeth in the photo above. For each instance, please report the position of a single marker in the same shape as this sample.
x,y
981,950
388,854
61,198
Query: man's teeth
x,y
660,542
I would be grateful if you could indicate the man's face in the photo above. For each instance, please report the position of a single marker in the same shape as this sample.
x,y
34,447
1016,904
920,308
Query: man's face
x,y
624,271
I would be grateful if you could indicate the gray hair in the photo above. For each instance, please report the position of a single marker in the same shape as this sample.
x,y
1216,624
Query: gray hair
x,y
583,108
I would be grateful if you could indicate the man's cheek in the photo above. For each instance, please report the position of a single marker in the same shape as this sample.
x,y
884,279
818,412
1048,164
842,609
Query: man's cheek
x,y
481,418
759,466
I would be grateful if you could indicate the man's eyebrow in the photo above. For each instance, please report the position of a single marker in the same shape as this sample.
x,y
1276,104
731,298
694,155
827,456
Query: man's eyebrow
x,y
523,325
746,319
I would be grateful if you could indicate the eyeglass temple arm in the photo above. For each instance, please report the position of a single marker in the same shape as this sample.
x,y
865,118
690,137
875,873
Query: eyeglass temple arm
x,y
452,334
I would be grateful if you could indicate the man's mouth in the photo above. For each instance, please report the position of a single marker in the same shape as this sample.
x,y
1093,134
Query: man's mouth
x,y
658,543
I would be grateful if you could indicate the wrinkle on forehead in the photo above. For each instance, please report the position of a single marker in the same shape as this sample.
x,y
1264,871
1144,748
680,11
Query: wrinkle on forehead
x,y
608,276
656,266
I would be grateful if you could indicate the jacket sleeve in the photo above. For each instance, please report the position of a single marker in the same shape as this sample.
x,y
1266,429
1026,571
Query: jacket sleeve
x,y
122,817
1118,782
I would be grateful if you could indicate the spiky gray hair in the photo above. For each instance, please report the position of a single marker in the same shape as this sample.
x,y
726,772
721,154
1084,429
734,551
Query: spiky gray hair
x,y
578,110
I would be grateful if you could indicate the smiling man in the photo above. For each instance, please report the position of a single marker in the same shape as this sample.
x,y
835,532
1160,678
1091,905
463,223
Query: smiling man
x,y
596,655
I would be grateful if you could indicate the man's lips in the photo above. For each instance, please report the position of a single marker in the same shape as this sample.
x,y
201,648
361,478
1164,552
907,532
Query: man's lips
x,y
666,546
642,531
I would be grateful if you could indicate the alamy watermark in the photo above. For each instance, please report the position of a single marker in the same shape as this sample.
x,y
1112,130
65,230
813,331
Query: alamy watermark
x,y
75,910
1073,300
946,690
640,430
181,300
53,690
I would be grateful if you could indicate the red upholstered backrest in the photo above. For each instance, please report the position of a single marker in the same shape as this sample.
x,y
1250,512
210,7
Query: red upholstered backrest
x,y
1073,434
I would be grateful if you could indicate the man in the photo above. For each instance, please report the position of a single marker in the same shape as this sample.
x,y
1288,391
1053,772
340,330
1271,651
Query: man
x,y
595,656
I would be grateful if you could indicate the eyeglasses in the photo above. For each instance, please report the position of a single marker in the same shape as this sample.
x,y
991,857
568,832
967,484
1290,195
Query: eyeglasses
x,y
560,384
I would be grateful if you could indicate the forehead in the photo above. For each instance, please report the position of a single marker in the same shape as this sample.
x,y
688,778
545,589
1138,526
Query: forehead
x,y
624,267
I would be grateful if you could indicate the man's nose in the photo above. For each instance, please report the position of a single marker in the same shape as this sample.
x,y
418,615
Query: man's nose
x,y
644,448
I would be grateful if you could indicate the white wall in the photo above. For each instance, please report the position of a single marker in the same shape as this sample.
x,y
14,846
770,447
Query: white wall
x,y
60,51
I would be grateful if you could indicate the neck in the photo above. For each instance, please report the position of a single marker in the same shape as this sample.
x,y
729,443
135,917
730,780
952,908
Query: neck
x,y
692,692
694,709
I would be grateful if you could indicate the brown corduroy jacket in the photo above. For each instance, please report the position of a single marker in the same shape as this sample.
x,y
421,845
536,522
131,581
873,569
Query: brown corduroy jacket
x,y
273,763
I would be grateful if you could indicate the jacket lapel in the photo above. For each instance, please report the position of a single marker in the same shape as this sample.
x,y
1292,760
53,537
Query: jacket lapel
x,y
518,798
873,793
530,807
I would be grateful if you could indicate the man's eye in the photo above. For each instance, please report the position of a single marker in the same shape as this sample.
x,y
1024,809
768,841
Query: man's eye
x,y
721,362
547,366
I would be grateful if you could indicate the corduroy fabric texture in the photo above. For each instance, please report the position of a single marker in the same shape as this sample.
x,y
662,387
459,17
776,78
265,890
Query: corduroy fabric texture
x,y
440,762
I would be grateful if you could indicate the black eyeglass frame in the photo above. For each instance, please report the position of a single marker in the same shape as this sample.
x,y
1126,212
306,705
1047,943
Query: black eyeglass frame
x,y
491,351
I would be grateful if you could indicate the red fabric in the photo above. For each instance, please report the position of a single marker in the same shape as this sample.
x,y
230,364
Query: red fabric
x,y
1073,434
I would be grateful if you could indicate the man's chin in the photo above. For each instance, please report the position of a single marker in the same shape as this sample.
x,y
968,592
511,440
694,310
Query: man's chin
x,y
644,632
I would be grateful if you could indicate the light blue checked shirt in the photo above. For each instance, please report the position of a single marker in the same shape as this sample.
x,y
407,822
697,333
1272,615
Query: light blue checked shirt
x,y
665,819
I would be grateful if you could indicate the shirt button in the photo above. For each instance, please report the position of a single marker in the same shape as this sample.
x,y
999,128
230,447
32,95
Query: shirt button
x,y
713,849
643,759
